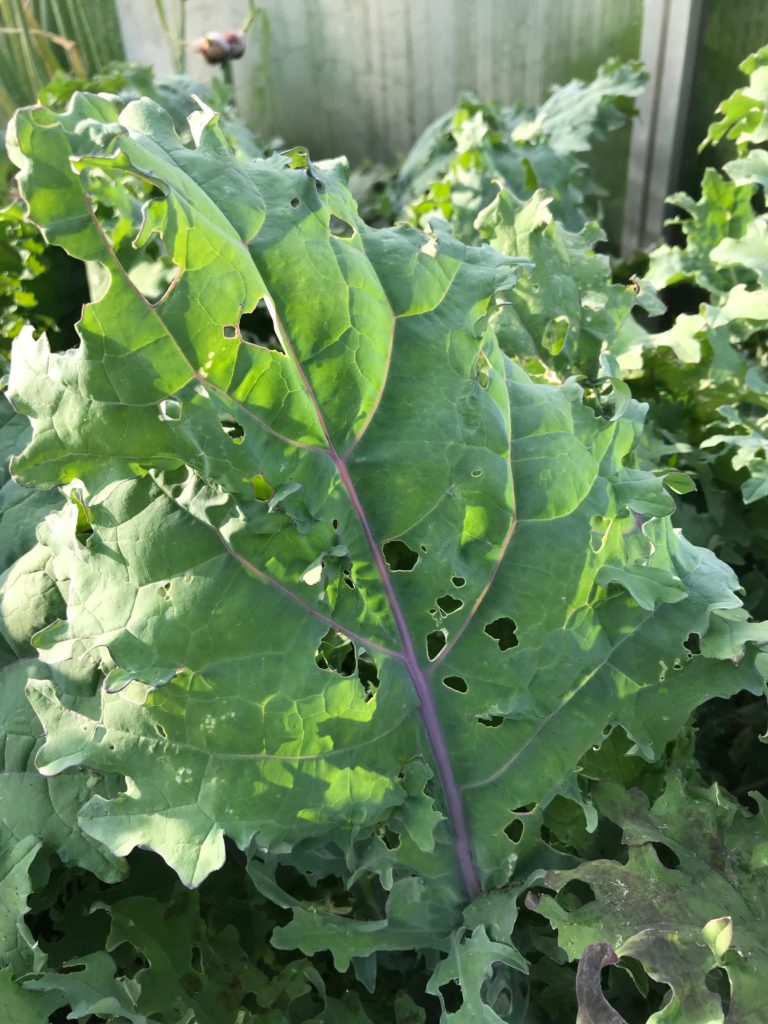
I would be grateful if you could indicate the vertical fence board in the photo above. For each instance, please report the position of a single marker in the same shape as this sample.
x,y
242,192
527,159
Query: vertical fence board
x,y
732,30
364,77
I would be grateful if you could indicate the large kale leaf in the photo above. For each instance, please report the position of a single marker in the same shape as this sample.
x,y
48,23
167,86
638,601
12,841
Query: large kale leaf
x,y
362,591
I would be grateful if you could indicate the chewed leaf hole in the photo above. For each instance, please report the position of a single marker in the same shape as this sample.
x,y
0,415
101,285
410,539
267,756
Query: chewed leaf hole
x,y
258,328
390,838
399,557
717,981
233,430
261,489
452,997
527,809
667,856
492,721
435,643
458,581
336,653
448,604
230,331
340,228
161,731
514,831
693,644
580,891
504,632
170,410
83,534
456,683
72,968
368,674
482,371
295,202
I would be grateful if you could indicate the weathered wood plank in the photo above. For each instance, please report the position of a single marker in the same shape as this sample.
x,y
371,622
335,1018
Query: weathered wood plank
x,y
364,77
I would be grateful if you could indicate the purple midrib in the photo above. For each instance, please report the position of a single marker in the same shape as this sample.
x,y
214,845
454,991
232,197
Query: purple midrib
x,y
427,707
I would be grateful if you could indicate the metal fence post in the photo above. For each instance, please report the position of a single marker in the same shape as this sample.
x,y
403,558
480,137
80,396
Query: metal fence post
x,y
669,47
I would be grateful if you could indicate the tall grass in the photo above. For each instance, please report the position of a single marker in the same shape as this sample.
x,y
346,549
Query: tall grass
x,y
38,37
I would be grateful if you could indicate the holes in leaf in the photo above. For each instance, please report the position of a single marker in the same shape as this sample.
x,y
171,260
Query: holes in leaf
x,y
483,370
504,632
448,604
340,228
155,275
398,556
458,581
423,548
693,644
258,328
261,489
492,721
667,856
164,590
514,831
295,202
72,968
170,410
335,524
476,473
717,981
346,575
313,575
390,839
83,533
233,430
576,893
527,809
336,653
368,674
161,731
456,683
452,997
435,643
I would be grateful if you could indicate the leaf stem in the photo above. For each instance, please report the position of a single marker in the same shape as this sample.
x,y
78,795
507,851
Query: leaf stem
x,y
429,713
428,708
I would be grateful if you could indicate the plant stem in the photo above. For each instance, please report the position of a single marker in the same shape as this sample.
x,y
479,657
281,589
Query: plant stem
x,y
169,37
229,78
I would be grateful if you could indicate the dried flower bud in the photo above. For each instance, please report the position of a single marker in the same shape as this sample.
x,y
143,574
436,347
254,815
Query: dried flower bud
x,y
217,47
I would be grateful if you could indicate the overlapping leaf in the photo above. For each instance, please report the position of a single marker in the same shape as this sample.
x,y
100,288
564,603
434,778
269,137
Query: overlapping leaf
x,y
37,815
681,922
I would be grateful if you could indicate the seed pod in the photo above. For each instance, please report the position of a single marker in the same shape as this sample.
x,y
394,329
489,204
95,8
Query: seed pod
x,y
218,47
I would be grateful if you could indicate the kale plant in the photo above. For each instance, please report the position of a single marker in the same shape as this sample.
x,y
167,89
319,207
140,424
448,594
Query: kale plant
x,y
333,649
455,167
